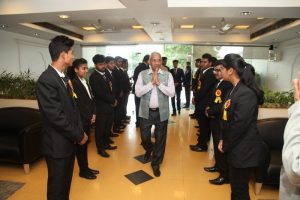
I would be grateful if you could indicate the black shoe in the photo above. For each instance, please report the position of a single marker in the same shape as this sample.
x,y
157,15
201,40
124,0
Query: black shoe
x,y
197,126
156,171
219,181
93,171
192,115
211,169
178,112
174,114
117,130
111,142
103,153
111,147
147,156
198,148
128,117
122,126
87,175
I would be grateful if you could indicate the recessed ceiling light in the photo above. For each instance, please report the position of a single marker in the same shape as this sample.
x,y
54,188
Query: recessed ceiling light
x,y
242,27
187,26
159,32
298,32
36,34
63,16
246,13
213,26
184,18
275,39
137,27
161,39
260,18
89,28
3,26
154,23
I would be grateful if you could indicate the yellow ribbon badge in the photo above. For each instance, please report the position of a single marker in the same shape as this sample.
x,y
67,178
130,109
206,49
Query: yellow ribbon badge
x,y
226,105
218,96
71,86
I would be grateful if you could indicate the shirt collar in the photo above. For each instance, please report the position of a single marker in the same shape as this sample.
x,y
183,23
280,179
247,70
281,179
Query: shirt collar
x,y
102,73
62,75
206,69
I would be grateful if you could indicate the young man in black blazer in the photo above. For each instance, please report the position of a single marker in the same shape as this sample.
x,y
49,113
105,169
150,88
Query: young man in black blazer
x,y
213,112
105,103
85,103
62,128
202,94
187,83
178,76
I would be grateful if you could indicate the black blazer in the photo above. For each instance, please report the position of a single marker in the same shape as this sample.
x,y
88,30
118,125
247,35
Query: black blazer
x,y
216,100
178,77
203,91
60,117
242,142
137,70
118,77
195,79
187,78
102,92
84,103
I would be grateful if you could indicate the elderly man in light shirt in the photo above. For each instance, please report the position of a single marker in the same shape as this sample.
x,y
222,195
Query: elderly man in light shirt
x,y
290,172
154,86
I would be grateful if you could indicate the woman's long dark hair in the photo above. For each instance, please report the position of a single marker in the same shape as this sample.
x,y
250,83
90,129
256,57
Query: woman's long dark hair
x,y
246,72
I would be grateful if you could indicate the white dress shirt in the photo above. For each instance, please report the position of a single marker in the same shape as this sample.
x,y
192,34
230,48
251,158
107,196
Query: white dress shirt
x,y
61,74
83,81
141,89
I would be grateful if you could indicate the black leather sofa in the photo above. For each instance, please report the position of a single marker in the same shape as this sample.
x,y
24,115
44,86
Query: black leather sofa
x,y
271,130
20,135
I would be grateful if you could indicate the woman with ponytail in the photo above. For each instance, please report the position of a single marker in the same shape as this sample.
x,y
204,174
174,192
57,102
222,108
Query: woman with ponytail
x,y
240,139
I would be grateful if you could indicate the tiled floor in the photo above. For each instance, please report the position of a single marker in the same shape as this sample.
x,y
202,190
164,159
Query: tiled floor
x,y
182,171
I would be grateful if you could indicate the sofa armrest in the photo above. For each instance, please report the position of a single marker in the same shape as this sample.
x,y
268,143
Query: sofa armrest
x,y
29,140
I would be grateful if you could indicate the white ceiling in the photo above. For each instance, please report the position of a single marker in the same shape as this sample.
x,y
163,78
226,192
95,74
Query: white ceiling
x,y
169,14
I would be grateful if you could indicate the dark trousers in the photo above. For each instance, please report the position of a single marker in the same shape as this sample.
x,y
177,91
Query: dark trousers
x,y
187,96
103,128
178,92
81,153
205,132
220,158
124,106
118,114
239,180
160,134
60,171
137,108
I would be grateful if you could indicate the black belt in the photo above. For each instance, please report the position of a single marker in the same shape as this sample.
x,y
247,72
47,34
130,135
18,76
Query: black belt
x,y
153,109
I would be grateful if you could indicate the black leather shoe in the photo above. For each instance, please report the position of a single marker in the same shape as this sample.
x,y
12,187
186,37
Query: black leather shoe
x,y
111,147
197,126
147,156
178,112
87,175
156,171
103,153
192,115
219,181
211,169
93,171
198,149
174,114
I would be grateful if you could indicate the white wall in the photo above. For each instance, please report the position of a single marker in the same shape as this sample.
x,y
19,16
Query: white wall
x,y
19,53
281,73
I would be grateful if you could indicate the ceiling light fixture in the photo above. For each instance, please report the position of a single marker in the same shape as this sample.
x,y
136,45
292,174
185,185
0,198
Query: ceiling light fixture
x,y
213,26
3,26
184,18
246,13
36,34
137,27
63,16
298,32
159,32
259,18
242,27
154,23
226,27
89,28
187,26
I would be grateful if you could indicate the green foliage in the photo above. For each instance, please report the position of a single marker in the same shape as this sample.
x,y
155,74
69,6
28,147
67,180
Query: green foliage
x,y
276,99
19,86
178,52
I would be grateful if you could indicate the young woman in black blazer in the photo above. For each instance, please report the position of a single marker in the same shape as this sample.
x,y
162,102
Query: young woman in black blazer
x,y
240,139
